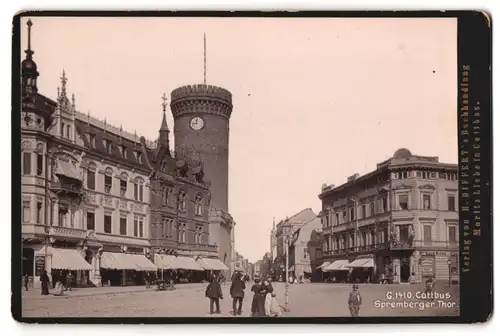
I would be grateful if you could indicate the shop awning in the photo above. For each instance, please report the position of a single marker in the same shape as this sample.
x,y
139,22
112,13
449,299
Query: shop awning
x,y
119,261
361,262
165,261
323,265
212,264
143,263
369,263
67,169
65,259
337,265
187,264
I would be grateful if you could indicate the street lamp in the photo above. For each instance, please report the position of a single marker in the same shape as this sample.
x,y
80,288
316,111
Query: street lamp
x,y
449,272
287,241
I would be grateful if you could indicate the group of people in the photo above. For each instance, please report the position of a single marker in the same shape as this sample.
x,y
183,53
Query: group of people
x,y
61,283
264,302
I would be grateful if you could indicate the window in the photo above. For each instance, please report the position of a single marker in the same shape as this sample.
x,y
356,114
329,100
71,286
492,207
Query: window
x,y
26,211
452,234
91,178
141,227
107,223
39,164
138,190
197,235
372,209
123,187
451,203
90,221
108,183
427,233
337,220
198,208
427,202
384,205
68,131
107,145
136,226
63,215
123,226
363,210
166,192
26,163
181,233
39,212
344,216
418,173
403,202
123,150
306,253
181,205
92,140
351,212
62,129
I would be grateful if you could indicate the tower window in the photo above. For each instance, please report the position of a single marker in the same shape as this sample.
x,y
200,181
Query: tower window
x,y
39,164
26,163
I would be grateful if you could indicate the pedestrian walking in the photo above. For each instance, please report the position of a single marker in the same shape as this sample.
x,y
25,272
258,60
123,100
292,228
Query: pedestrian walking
x,y
237,291
259,298
69,281
214,293
26,281
354,301
44,280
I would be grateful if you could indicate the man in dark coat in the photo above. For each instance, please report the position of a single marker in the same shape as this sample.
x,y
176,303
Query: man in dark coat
x,y
214,293
354,301
237,291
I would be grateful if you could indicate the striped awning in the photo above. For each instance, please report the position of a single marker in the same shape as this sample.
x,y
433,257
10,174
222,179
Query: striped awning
x,y
143,263
119,261
187,263
165,261
66,259
212,264
68,169
360,263
323,265
337,265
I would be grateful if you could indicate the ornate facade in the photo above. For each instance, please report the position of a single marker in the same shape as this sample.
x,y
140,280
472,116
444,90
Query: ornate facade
x,y
399,221
96,193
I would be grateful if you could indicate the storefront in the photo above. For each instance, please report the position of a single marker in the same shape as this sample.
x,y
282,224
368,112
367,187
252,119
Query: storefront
x,y
124,269
58,262
362,270
337,271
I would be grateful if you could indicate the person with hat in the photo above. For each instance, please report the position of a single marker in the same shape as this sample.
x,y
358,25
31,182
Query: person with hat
x,y
237,291
214,293
354,301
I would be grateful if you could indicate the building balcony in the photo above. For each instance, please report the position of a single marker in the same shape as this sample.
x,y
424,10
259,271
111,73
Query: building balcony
x,y
65,232
402,244
69,190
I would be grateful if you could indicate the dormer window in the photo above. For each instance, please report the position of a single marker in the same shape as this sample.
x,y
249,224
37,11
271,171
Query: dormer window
x,y
107,145
123,151
91,139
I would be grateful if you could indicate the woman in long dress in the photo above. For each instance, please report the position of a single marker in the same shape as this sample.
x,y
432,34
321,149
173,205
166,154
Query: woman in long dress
x,y
259,299
44,280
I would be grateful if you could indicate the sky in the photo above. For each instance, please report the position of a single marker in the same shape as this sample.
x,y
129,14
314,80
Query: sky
x,y
315,100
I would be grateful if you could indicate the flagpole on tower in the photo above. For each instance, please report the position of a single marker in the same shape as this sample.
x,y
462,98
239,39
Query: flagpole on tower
x,y
204,58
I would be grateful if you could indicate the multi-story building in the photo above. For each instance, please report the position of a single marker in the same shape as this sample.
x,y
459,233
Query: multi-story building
x,y
100,201
397,221
284,230
305,251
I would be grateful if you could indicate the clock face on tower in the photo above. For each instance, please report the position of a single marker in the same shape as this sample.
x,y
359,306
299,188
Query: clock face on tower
x,y
196,123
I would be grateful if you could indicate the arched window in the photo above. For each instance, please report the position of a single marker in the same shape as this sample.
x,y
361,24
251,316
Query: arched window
x,y
182,200
198,205
123,184
108,180
139,189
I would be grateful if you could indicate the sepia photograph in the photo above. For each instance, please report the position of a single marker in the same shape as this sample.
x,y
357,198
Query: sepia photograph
x,y
239,167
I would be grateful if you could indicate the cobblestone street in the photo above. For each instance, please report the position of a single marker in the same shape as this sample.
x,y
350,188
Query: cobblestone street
x,y
306,300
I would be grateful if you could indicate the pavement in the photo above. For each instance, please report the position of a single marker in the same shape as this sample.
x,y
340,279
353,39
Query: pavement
x,y
188,300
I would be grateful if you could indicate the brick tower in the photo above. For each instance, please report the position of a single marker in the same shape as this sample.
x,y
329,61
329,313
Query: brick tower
x,y
201,124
